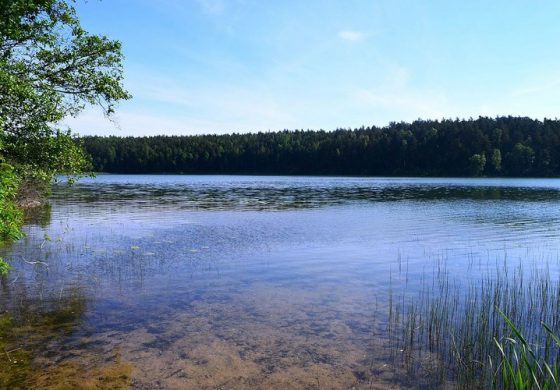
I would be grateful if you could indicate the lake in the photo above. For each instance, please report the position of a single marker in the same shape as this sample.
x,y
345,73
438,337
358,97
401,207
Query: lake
x,y
250,282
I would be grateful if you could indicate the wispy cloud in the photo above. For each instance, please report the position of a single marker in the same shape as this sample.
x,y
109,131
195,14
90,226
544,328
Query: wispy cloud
x,y
397,97
537,89
181,109
213,7
351,36
130,122
409,103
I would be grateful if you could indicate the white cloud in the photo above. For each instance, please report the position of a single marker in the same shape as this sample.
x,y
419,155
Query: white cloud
x,y
351,36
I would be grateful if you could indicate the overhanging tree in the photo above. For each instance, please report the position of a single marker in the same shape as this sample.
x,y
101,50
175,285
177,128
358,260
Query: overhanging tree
x,y
50,68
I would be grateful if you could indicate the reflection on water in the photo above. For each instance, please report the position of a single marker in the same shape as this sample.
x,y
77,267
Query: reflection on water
x,y
213,281
278,193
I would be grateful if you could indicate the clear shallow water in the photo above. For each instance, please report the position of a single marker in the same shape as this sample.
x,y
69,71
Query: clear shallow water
x,y
237,281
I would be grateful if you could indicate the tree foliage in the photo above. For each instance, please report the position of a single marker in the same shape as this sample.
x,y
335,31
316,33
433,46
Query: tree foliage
x,y
504,146
50,67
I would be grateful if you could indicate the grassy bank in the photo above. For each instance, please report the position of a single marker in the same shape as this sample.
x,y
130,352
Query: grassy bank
x,y
497,331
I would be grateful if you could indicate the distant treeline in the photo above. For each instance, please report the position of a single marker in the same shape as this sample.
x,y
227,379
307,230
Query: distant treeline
x,y
504,146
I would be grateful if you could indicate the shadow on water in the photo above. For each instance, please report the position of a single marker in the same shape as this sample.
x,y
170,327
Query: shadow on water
x,y
40,216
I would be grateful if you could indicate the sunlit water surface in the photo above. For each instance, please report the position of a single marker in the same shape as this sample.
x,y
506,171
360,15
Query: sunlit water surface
x,y
248,282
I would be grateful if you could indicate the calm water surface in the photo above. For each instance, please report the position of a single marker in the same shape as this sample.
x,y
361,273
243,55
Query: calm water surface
x,y
249,282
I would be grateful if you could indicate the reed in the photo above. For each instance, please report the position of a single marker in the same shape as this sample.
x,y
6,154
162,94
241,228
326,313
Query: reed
x,y
496,331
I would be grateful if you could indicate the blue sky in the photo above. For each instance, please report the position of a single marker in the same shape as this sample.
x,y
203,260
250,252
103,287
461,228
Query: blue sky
x,y
221,66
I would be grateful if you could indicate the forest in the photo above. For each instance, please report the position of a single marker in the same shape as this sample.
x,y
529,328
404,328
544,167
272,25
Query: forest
x,y
502,146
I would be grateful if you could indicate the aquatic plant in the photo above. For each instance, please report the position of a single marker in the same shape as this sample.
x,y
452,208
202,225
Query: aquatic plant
x,y
463,332
520,366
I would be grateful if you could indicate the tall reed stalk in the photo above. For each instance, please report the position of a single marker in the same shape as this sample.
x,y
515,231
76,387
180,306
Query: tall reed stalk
x,y
497,331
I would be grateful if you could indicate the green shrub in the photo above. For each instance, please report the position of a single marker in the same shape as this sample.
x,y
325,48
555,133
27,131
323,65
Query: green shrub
x,y
4,267
11,216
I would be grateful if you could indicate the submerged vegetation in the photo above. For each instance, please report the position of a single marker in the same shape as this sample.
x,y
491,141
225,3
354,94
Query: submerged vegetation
x,y
24,337
498,331
504,146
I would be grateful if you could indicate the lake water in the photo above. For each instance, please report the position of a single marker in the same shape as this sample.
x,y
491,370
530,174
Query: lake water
x,y
248,282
